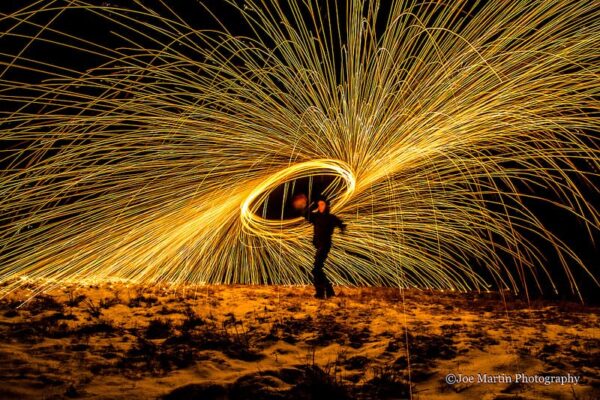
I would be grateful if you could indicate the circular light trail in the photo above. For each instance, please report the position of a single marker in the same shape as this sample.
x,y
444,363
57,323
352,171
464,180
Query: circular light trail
x,y
283,229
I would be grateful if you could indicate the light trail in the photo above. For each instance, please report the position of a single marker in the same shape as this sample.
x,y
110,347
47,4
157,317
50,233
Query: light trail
x,y
152,166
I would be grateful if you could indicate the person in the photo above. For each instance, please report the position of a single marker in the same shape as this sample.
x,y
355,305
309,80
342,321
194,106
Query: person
x,y
324,224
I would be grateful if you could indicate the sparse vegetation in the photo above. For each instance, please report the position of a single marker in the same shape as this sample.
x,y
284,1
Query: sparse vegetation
x,y
93,309
159,329
157,337
74,299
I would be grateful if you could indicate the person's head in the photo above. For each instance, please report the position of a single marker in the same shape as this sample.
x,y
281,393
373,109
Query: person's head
x,y
322,205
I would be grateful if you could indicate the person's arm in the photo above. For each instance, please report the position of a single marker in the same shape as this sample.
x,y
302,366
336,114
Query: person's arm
x,y
340,224
308,214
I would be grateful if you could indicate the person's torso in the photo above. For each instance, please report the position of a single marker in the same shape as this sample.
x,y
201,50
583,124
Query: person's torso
x,y
324,224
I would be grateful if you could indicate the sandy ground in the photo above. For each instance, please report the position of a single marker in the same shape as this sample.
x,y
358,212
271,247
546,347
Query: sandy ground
x,y
118,341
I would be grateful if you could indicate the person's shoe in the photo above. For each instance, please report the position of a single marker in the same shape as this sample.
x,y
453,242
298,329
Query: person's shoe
x,y
331,294
319,296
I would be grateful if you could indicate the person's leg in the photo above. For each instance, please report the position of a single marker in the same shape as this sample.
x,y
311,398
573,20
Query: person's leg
x,y
319,278
326,283
319,283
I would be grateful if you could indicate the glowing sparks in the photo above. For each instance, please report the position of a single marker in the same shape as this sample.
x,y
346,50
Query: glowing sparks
x,y
154,165
284,228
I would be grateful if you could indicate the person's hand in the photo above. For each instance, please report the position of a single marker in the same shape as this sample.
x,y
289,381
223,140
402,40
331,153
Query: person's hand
x,y
300,202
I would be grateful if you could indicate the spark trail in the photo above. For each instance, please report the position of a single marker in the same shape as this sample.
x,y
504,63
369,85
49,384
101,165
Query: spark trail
x,y
436,122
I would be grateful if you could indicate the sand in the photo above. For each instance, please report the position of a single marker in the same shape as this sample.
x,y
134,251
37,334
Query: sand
x,y
119,341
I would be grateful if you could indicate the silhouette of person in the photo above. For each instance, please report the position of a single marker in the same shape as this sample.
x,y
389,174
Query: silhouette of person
x,y
324,224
